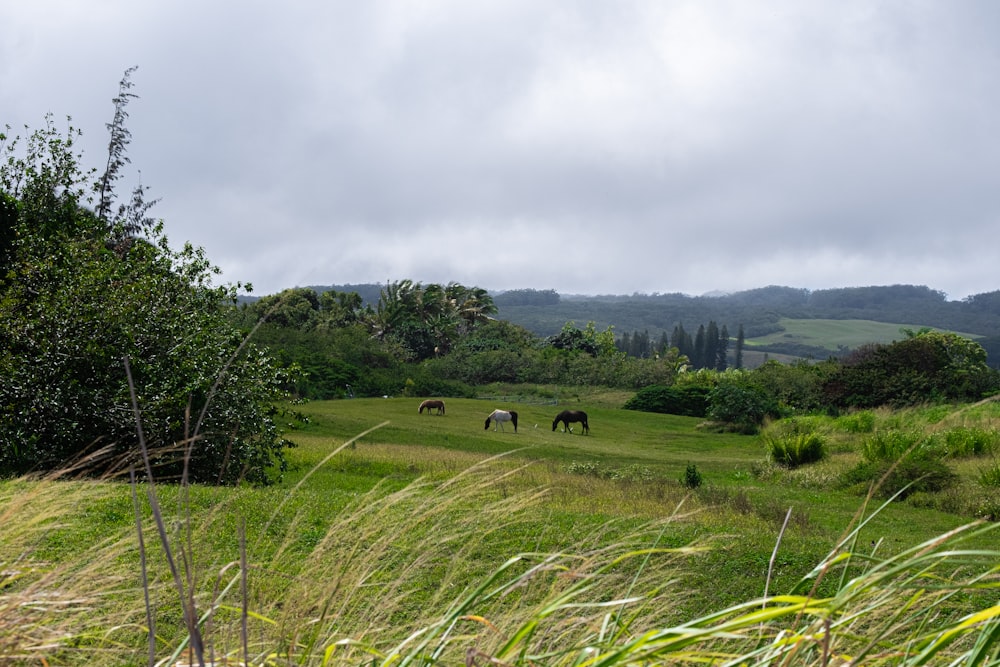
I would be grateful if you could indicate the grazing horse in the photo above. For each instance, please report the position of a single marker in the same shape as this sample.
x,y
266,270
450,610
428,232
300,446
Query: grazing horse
x,y
501,416
569,416
430,405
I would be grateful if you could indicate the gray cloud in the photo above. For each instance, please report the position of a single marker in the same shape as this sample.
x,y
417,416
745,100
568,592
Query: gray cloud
x,y
584,146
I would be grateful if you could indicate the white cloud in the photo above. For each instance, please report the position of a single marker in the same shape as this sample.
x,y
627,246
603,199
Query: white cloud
x,y
588,147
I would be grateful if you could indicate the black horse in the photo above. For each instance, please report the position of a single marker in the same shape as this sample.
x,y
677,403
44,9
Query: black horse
x,y
569,416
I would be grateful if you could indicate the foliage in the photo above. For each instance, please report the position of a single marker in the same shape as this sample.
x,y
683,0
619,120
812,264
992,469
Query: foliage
x,y
900,478
738,400
692,477
892,444
860,421
526,297
81,295
797,386
989,476
689,401
794,450
929,366
589,340
425,321
971,441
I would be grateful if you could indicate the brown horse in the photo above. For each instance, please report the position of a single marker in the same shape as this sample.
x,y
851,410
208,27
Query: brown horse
x,y
569,416
430,405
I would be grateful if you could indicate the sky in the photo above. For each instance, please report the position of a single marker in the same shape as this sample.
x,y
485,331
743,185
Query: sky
x,y
591,147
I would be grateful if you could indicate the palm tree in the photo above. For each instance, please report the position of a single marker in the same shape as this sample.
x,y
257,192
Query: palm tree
x,y
473,305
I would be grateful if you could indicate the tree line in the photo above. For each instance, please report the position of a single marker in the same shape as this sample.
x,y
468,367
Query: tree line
x,y
708,348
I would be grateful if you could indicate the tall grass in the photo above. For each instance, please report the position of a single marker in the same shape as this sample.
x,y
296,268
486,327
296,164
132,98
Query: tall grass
x,y
407,577
453,568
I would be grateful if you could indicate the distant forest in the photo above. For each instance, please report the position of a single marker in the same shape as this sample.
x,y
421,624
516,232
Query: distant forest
x,y
757,311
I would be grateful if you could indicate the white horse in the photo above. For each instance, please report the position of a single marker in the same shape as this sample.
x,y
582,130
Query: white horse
x,y
501,416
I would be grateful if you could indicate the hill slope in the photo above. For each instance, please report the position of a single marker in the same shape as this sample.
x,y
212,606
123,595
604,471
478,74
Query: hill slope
x,y
846,317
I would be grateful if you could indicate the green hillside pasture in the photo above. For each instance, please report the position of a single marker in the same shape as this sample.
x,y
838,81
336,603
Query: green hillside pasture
x,y
628,468
834,334
618,438
370,538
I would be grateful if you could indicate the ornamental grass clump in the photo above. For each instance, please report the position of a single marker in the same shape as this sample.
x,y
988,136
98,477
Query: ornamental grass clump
x,y
794,450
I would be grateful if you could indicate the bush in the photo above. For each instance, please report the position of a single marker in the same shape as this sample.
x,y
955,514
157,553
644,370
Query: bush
x,y
692,477
80,295
740,403
689,401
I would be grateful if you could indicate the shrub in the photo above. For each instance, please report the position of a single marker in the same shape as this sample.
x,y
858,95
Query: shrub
x,y
692,477
79,295
688,401
740,403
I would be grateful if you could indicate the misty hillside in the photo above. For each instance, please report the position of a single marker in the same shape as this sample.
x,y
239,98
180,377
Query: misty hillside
x,y
759,311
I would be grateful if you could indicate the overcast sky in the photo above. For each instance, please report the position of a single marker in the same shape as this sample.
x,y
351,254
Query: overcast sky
x,y
591,147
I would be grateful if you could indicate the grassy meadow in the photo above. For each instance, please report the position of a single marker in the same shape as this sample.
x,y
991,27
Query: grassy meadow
x,y
834,335
398,538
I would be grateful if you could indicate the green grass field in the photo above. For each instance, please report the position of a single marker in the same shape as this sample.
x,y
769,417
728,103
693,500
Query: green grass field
x,y
386,518
834,334
628,467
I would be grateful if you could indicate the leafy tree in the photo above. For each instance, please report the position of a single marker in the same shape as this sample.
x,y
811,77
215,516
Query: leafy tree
x,y
927,366
796,387
739,401
340,309
573,339
423,322
76,303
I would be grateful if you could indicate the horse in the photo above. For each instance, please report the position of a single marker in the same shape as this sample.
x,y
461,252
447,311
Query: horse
x,y
501,416
569,416
430,405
